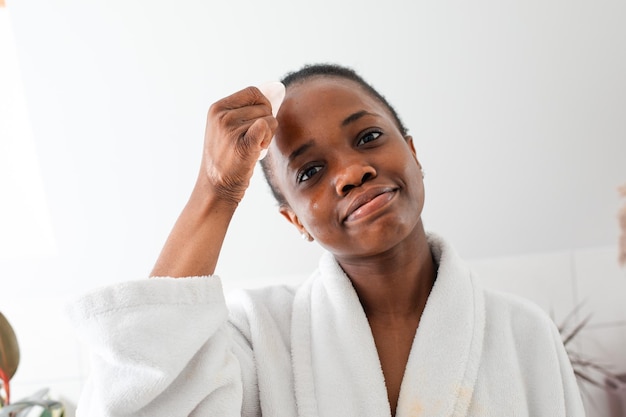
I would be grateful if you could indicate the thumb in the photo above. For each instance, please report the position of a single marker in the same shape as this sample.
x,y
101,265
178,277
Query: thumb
x,y
258,135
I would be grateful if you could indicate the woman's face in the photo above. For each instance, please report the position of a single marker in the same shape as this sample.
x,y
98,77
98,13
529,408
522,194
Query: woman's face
x,y
350,178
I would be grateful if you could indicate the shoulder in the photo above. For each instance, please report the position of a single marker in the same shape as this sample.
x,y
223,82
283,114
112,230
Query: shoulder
x,y
512,304
262,308
517,319
272,300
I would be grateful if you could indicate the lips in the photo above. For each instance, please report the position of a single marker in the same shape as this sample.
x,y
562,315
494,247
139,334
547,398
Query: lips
x,y
368,202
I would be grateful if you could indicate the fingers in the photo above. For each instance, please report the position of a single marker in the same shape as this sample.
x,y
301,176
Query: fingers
x,y
259,134
244,116
249,96
249,134
239,112
239,127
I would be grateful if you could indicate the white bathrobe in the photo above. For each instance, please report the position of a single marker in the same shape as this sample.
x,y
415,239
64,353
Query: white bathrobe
x,y
174,347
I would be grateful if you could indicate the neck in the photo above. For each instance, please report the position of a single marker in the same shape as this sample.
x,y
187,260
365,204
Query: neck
x,y
395,284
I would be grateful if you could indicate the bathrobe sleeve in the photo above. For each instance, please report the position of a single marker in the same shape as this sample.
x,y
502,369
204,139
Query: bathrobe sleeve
x,y
572,398
524,364
162,347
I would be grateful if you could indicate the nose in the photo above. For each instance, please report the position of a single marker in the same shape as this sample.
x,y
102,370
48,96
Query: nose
x,y
352,175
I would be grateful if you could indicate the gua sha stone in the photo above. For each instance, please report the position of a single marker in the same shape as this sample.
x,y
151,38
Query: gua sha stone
x,y
275,93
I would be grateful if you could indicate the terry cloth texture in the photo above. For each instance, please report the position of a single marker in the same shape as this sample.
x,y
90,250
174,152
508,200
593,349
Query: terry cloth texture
x,y
174,347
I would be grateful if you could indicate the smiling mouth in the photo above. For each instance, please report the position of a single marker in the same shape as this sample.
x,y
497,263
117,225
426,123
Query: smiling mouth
x,y
366,205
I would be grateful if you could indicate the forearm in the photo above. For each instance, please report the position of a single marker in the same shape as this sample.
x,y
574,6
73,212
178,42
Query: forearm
x,y
239,127
194,244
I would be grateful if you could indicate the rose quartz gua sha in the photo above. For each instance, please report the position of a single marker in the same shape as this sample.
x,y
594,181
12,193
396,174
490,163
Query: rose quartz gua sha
x,y
275,93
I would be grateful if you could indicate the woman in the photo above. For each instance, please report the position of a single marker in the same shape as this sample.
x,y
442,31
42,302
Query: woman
x,y
391,324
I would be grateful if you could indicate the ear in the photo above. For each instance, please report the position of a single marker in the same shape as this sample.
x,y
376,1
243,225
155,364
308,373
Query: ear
x,y
409,141
291,217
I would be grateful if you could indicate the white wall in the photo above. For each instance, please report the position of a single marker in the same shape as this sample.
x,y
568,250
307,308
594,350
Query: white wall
x,y
517,108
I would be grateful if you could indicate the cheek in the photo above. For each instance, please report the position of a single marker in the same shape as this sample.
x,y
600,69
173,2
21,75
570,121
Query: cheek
x,y
314,210
415,184
318,215
411,170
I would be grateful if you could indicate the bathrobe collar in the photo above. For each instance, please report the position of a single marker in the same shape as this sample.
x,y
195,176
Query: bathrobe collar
x,y
337,371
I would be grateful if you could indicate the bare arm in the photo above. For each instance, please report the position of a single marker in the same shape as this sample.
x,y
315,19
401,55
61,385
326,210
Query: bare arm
x,y
238,128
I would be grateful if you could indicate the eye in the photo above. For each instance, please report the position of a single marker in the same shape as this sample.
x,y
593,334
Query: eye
x,y
369,137
307,173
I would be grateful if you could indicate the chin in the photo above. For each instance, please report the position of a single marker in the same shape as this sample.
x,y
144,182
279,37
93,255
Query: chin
x,y
384,237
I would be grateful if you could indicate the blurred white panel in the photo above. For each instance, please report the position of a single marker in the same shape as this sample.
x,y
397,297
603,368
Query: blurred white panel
x,y
25,227
48,348
543,278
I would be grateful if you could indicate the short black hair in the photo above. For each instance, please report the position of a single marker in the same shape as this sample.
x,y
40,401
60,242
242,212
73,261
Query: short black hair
x,y
334,70
325,70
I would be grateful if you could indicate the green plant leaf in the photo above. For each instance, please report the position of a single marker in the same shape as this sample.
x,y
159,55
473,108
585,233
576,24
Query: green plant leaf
x,y
9,349
23,408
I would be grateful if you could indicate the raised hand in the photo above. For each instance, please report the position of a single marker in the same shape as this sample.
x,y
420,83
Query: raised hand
x,y
239,127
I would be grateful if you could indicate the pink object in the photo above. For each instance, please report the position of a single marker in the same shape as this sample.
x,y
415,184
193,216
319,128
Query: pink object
x,y
275,93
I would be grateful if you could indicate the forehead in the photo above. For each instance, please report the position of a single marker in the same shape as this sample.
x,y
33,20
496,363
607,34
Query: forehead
x,y
319,103
324,93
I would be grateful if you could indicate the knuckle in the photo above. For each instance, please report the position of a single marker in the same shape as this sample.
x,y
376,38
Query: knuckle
x,y
214,109
244,146
253,92
225,117
271,122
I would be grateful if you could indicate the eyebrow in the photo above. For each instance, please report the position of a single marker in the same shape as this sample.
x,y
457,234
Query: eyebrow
x,y
350,119
356,116
300,150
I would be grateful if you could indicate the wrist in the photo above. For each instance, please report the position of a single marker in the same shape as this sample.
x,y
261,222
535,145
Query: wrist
x,y
210,197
